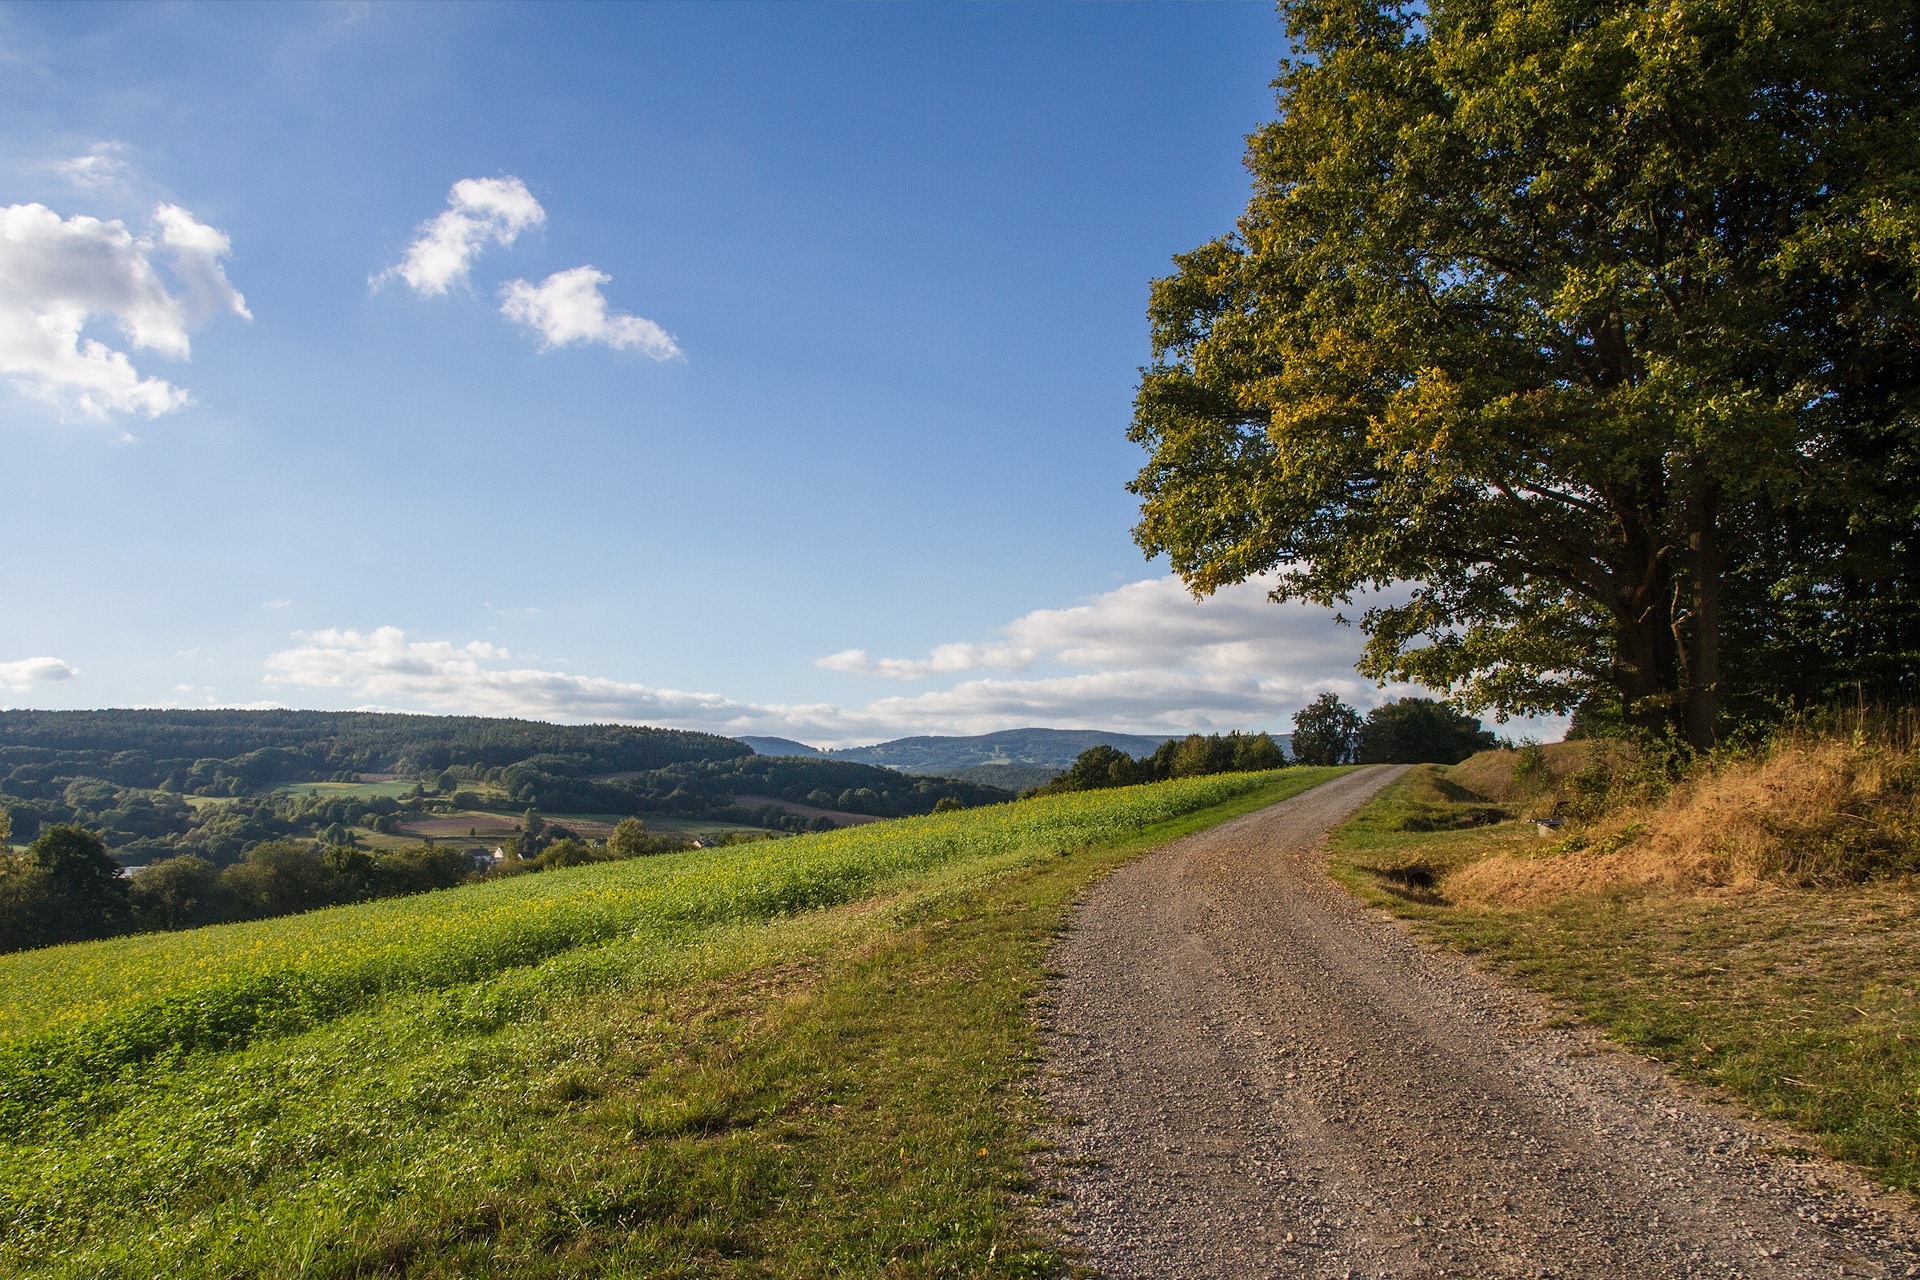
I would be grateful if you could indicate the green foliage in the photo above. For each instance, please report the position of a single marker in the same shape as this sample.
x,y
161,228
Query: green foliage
x,y
1325,731
703,1089
65,887
631,839
1419,731
707,789
122,1003
1593,322
1194,756
179,893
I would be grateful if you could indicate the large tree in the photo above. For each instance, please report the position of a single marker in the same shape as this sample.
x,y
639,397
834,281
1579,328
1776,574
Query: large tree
x,y
1590,325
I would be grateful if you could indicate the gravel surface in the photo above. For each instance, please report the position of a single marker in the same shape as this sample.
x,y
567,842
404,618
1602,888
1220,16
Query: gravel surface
x,y
1257,1076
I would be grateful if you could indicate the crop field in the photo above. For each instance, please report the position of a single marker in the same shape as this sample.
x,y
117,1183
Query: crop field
x,y
790,1057
483,825
391,788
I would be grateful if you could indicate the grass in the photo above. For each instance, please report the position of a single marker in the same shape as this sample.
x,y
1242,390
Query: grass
x,y
799,1058
392,789
1803,1001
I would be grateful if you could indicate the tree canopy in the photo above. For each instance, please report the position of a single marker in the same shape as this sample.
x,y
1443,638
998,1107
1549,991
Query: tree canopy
x,y
1325,731
1419,731
1589,327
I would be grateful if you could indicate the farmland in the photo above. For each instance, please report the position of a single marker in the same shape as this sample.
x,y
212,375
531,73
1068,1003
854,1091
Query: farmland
x,y
795,1056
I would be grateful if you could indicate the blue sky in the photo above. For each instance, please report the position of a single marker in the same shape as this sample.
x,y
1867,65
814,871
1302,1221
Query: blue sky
x,y
830,440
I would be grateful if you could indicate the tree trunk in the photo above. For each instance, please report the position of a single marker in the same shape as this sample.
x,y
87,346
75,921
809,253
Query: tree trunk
x,y
1646,658
1703,635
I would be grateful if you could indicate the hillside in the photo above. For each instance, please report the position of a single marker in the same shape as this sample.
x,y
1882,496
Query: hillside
x,y
1048,748
737,1061
156,784
140,748
778,746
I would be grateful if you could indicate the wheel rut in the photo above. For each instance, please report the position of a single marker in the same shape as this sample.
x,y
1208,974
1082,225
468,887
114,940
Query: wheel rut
x,y
1256,1076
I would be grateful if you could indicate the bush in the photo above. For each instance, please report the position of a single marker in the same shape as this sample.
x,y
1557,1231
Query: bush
x,y
179,893
1419,731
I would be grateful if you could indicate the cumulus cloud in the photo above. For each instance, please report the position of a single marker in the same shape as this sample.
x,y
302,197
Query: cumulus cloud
x,y
1153,624
478,210
1159,662
18,677
57,275
568,307
383,665
197,250
101,167
942,660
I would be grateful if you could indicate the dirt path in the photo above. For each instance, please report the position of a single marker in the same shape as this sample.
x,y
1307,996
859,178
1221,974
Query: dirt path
x,y
1262,1078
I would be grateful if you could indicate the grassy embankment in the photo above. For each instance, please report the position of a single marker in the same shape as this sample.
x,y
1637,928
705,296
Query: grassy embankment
x,y
1757,929
792,1058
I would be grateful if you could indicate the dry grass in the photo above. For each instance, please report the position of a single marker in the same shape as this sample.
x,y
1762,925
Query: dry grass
x,y
1503,775
1756,930
1810,812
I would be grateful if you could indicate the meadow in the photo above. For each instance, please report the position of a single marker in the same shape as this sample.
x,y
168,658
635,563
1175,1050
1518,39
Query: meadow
x,y
791,1057
392,788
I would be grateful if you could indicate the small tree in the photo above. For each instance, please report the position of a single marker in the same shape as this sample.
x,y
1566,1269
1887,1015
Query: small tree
x,y
92,894
1325,731
178,893
1256,751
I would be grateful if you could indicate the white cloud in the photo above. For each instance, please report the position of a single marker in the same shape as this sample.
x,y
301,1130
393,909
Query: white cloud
x,y
1162,663
100,168
20,676
58,274
942,660
478,210
568,307
1153,624
197,250
384,665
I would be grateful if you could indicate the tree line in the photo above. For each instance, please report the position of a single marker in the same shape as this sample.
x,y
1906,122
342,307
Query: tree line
x,y
237,752
1325,732
67,886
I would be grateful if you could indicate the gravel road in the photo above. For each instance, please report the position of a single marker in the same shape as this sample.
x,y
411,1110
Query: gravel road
x,y
1256,1076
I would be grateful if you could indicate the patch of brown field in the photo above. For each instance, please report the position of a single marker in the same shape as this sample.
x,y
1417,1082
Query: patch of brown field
x,y
1809,813
454,825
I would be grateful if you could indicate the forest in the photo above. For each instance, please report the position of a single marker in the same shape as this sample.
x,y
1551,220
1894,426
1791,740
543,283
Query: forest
x,y
154,784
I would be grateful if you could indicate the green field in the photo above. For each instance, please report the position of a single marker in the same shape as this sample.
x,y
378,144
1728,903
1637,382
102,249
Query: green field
x,y
796,1057
393,789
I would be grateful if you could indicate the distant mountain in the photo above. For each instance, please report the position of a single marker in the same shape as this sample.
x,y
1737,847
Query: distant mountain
x,y
1049,748
1012,777
1021,752
780,747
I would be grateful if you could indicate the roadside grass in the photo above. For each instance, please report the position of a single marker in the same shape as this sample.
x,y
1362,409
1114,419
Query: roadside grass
x,y
1802,1002
826,1091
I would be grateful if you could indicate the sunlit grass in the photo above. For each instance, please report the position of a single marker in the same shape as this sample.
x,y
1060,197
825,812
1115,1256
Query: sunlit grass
x,y
797,1058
